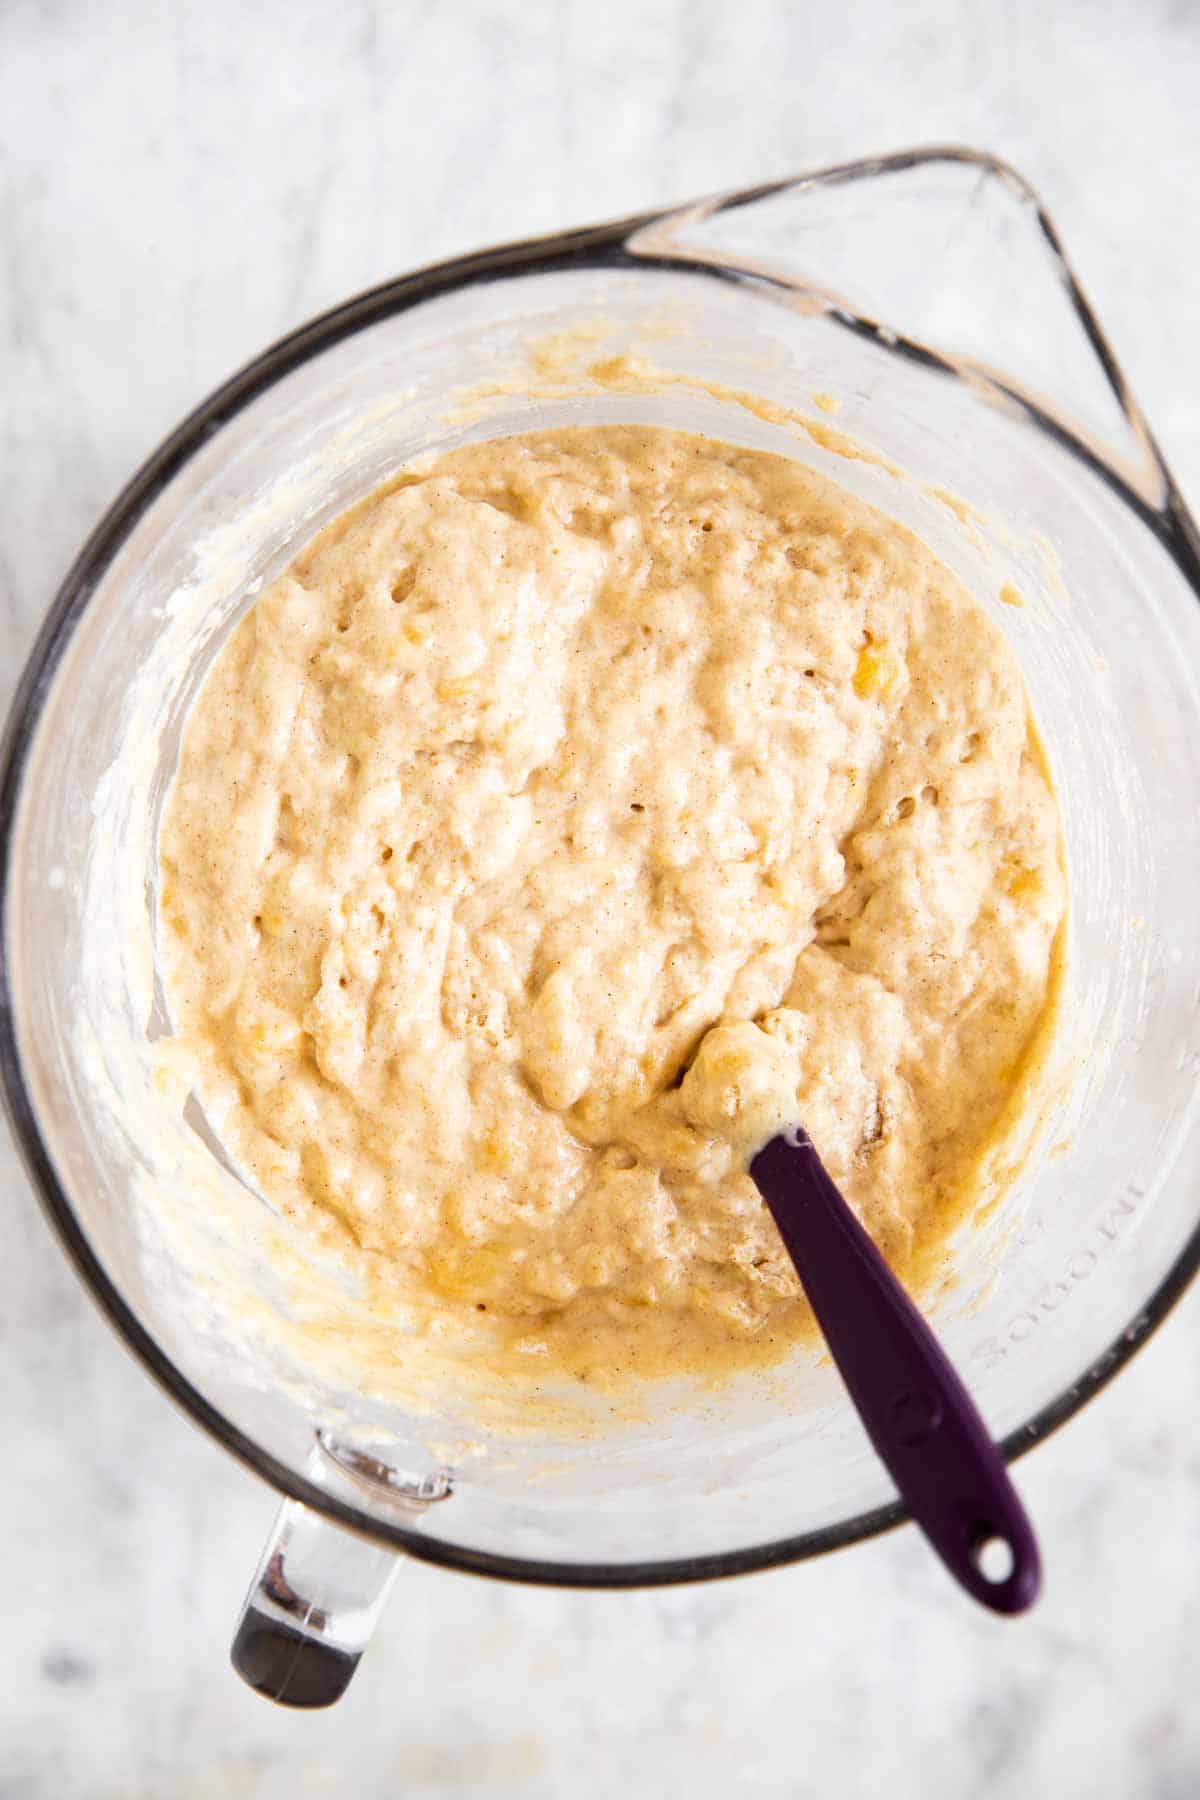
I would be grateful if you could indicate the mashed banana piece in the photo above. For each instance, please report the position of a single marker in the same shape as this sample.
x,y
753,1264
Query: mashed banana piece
x,y
574,812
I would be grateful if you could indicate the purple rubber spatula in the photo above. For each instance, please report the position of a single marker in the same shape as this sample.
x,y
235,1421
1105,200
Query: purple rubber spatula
x,y
917,1412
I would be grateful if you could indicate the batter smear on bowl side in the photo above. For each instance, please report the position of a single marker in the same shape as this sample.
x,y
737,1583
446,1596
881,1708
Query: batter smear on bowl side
x,y
572,812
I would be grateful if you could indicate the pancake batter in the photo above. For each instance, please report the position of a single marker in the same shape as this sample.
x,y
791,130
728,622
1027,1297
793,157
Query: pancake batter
x,y
573,812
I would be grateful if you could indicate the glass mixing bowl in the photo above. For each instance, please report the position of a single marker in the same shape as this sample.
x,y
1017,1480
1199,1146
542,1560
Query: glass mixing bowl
x,y
925,296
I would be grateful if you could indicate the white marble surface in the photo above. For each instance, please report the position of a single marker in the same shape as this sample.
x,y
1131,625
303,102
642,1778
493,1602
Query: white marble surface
x,y
181,182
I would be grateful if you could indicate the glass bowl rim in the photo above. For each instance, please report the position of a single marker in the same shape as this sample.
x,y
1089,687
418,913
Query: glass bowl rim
x,y
597,246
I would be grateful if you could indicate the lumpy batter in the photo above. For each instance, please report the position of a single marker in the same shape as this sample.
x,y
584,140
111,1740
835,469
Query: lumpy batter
x,y
573,812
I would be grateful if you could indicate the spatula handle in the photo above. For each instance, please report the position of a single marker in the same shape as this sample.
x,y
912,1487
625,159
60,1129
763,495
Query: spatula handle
x,y
917,1413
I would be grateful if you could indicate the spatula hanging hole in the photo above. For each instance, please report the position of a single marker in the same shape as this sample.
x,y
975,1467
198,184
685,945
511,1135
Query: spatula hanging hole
x,y
995,1559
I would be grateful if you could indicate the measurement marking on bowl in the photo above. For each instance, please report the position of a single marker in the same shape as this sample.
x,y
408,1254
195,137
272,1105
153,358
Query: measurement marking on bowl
x,y
1085,1260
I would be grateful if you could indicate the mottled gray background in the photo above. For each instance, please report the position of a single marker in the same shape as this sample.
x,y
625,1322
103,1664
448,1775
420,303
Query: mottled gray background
x,y
180,183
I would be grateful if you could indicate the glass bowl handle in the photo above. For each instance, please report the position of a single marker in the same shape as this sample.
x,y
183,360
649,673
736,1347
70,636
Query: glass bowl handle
x,y
312,1608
